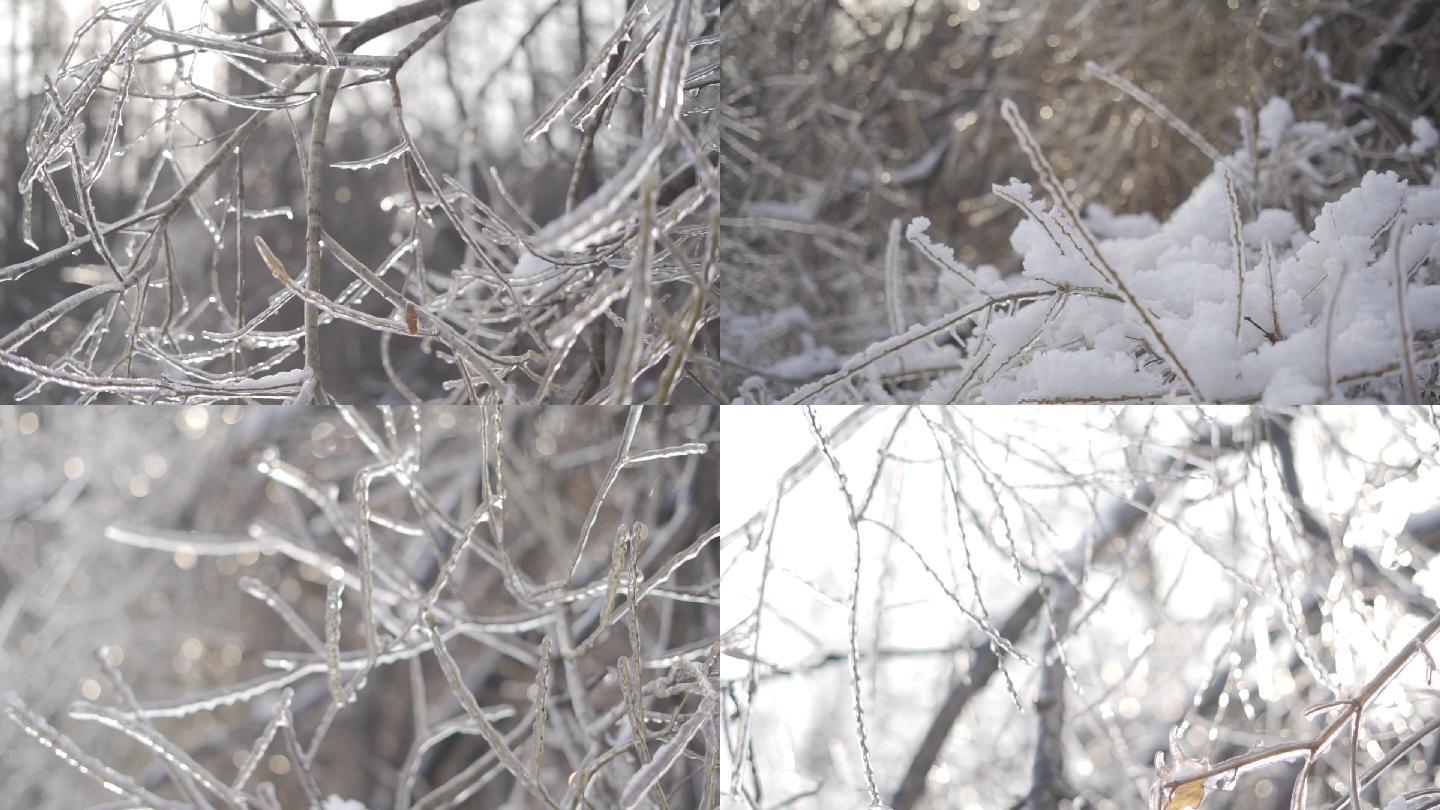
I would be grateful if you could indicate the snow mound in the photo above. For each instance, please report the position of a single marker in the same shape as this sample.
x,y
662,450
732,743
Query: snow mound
x,y
1302,317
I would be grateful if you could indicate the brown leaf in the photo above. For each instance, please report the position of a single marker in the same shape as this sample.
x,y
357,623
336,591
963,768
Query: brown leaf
x,y
1187,797
272,261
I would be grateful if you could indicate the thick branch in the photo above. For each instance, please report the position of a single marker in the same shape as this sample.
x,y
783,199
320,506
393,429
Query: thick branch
x,y
984,664
1121,519
1047,783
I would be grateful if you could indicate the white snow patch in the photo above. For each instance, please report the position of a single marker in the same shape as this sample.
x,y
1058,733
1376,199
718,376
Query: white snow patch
x,y
1426,137
1273,120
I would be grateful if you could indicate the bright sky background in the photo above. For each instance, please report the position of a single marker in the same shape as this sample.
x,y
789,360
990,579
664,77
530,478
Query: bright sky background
x,y
485,33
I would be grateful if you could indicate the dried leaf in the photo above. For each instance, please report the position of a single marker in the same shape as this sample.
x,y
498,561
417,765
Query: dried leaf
x,y
1187,797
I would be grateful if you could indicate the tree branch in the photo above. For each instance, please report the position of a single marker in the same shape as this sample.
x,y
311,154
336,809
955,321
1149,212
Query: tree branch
x,y
315,160
983,667
1047,782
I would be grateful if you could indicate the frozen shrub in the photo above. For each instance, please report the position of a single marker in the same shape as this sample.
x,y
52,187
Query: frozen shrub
x,y
1349,310
1179,608
427,608
855,121
280,206
1208,306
